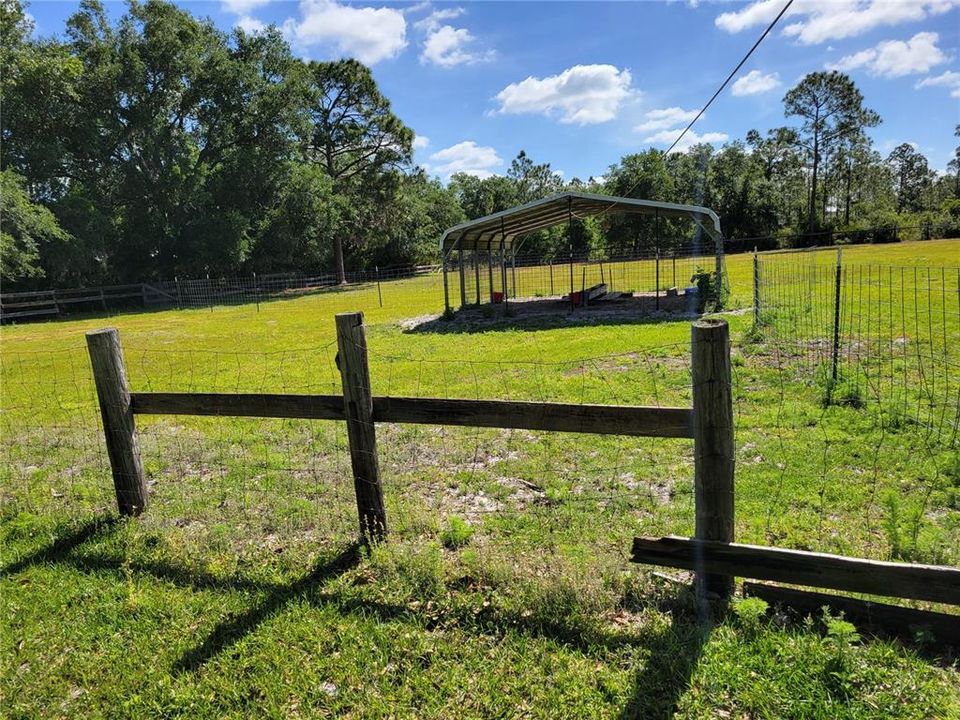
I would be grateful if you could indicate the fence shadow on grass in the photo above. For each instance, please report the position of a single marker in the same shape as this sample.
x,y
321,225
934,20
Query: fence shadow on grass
x,y
664,678
70,537
230,632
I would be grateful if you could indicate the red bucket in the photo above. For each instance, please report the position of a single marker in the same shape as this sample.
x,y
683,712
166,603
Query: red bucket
x,y
497,297
575,298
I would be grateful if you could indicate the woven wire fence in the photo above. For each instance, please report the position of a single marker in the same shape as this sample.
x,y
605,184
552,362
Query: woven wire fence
x,y
878,334
830,477
288,482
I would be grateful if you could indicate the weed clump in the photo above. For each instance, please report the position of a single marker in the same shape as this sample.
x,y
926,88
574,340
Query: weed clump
x,y
457,534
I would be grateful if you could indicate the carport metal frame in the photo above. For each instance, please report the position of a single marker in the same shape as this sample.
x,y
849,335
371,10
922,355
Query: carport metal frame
x,y
503,232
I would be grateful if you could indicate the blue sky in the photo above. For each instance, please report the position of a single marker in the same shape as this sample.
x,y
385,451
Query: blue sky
x,y
579,84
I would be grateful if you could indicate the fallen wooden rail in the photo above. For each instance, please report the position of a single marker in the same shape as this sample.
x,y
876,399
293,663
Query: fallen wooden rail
x,y
915,582
561,417
895,620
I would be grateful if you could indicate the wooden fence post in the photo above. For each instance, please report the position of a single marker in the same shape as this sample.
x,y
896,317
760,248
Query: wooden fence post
x,y
358,408
123,448
713,443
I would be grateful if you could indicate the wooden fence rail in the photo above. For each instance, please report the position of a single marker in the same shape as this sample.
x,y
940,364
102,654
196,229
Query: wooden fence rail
x,y
563,417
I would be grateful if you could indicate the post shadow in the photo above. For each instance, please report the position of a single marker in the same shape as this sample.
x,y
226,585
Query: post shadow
x,y
665,677
231,631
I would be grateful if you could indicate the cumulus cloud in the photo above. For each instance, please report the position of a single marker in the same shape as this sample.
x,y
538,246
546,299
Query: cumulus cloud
x,y
448,46
663,118
896,58
950,79
755,83
582,94
242,7
420,142
250,25
816,21
365,33
435,19
466,157
666,137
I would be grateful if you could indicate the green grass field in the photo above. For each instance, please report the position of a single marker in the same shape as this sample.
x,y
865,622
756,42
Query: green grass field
x,y
504,590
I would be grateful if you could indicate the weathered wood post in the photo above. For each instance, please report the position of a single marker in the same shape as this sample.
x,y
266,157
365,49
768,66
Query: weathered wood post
x,y
123,448
358,408
713,443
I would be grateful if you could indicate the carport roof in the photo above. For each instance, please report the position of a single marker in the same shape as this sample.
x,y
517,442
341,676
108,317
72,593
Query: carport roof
x,y
505,226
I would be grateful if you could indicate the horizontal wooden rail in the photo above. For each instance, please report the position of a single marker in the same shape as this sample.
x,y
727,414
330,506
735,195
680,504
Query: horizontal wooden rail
x,y
307,407
915,582
563,417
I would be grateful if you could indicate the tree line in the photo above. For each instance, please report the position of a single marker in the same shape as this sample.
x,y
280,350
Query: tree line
x,y
160,146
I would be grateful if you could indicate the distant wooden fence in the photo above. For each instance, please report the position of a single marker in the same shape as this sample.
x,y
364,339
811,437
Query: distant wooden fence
x,y
712,554
184,293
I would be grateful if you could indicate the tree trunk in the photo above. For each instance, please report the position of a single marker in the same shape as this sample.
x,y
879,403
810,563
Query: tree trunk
x,y
338,260
812,205
846,208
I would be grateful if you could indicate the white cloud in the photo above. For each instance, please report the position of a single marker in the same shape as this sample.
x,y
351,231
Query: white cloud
x,y
582,94
816,21
242,7
435,19
466,157
950,79
448,46
895,58
365,33
250,25
420,142
665,118
755,83
666,137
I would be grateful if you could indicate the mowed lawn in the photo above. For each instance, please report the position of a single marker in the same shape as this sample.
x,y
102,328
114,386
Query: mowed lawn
x,y
505,589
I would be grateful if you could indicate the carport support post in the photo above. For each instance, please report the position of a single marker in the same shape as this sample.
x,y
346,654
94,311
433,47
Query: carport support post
x,y
713,444
113,393
446,287
490,268
463,289
503,280
358,409
476,272
657,291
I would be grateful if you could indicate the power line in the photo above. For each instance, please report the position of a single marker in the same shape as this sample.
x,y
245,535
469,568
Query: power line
x,y
719,89
732,74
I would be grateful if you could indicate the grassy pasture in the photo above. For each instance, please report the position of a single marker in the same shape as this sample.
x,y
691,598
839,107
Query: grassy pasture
x,y
504,591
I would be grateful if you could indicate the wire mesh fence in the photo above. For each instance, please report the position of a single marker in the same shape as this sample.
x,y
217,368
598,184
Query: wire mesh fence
x,y
869,333
833,478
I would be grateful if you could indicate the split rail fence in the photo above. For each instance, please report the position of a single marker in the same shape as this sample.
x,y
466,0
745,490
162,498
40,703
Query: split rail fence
x,y
711,553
